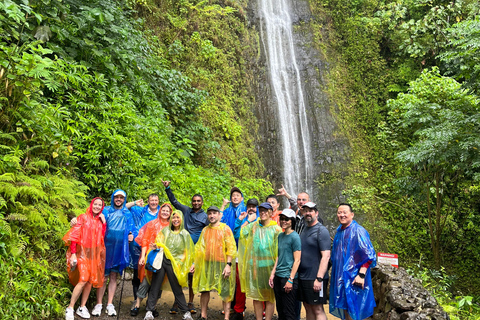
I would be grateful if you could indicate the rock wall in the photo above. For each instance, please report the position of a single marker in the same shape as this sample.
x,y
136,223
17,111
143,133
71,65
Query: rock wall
x,y
399,296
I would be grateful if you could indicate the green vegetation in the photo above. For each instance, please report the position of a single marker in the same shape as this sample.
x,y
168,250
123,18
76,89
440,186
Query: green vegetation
x,y
404,77
90,103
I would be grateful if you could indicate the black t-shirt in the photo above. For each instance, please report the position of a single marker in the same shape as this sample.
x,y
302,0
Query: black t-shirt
x,y
314,240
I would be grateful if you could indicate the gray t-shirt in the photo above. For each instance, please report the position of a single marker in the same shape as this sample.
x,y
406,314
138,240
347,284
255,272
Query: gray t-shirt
x,y
314,240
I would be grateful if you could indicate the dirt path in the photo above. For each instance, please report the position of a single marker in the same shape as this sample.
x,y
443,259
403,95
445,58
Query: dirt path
x,y
165,303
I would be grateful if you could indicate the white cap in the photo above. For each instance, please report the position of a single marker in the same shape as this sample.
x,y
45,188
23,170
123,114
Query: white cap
x,y
120,192
289,213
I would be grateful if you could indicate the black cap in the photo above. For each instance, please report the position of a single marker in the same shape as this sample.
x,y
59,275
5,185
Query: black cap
x,y
213,208
235,189
253,202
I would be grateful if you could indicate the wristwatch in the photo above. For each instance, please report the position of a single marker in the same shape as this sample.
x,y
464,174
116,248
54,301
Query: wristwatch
x,y
319,279
361,275
229,263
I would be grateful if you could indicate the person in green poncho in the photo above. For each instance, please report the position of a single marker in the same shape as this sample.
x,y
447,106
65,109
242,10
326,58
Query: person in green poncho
x,y
257,252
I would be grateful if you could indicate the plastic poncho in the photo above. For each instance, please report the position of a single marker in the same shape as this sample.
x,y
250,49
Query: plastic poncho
x,y
276,216
88,233
257,252
119,226
147,235
141,217
238,226
231,213
178,248
352,248
211,251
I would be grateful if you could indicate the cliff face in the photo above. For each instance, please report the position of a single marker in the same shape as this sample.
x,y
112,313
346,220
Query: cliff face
x,y
327,147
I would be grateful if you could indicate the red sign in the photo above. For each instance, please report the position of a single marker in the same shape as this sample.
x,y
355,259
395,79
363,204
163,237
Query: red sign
x,y
388,258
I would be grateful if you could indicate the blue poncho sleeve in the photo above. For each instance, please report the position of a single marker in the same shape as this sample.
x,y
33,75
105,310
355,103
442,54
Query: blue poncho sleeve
x,y
352,248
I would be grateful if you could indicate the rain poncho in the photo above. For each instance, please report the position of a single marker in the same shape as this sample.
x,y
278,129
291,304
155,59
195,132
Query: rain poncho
x,y
257,252
238,226
231,213
351,250
141,217
276,216
211,251
119,226
147,235
178,248
88,234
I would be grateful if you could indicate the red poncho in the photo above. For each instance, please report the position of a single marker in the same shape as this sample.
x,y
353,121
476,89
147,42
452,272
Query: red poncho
x,y
88,234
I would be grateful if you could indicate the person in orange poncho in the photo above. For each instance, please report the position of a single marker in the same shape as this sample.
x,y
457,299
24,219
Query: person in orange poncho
x,y
273,200
146,236
86,256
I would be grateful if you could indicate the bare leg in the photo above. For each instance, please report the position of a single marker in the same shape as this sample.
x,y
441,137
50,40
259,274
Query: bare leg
x,y
258,309
269,309
315,312
112,286
85,294
138,302
101,292
76,293
347,316
204,299
226,309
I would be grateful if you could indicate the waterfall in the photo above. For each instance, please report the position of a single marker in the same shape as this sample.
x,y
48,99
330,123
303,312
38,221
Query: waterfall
x,y
277,38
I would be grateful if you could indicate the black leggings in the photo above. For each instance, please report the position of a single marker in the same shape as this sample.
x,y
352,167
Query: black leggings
x,y
286,302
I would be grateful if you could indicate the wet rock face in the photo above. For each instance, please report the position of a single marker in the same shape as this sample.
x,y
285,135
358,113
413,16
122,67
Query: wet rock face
x,y
399,296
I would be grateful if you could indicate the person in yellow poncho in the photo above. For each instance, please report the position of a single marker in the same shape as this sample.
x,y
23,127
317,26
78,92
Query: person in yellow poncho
x,y
257,252
214,253
178,253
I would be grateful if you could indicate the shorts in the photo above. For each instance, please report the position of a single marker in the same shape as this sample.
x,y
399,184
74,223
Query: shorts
x,y
108,271
308,296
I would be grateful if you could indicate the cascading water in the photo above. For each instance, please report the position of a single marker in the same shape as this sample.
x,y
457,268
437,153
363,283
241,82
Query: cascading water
x,y
286,83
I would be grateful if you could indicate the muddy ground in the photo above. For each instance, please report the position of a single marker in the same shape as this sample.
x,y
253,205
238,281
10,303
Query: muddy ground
x,y
165,303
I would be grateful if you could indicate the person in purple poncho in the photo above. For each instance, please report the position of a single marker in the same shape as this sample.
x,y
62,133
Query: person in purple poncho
x,y
353,255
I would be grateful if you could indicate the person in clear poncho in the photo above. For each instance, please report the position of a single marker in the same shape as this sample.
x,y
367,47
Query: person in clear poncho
x,y
353,255
146,236
214,253
86,256
258,250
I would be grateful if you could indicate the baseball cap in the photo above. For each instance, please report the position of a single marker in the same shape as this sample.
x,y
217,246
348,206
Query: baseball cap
x,y
310,205
213,208
235,189
253,202
289,213
266,205
120,192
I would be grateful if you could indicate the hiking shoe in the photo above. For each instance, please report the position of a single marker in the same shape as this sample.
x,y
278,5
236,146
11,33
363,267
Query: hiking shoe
x,y
191,308
174,309
134,311
187,316
149,316
69,314
83,312
97,310
111,310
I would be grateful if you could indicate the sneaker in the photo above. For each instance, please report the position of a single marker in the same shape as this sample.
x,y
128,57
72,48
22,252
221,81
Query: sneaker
x,y
149,316
83,312
97,310
187,316
174,309
69,314
134,311
111,310
155,313
191,308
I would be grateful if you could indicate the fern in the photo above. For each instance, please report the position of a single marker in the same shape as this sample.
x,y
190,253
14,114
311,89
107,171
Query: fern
x,y
16,217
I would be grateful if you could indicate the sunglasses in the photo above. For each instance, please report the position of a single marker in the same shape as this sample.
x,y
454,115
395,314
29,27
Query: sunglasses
x,y
284,219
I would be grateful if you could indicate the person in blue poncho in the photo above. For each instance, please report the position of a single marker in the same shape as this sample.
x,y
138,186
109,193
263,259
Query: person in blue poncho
x,y
351,290
120,231
141,216
234,210
195,220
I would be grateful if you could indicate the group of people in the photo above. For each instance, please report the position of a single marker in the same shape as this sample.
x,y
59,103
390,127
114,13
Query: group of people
x,y
255,251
